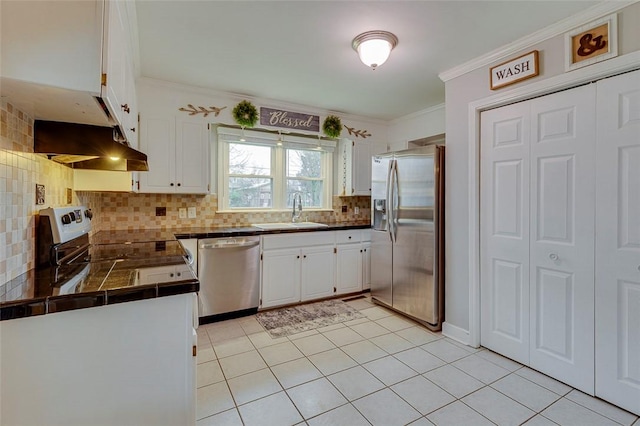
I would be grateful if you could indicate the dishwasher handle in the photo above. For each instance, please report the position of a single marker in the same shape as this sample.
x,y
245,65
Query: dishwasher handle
x,y
229,245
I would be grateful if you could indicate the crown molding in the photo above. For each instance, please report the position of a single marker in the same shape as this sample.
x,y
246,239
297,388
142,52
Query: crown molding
x,y
237,97
417,114
597,11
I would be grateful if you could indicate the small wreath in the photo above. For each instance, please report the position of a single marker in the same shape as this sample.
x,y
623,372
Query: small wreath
x,y
332,126
245,114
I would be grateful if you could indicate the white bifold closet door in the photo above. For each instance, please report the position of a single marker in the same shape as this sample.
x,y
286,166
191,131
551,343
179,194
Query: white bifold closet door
x,y
504,230
618,241
563,127
537,227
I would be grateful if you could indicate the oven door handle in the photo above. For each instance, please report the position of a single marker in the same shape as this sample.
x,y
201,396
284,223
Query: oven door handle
x,y
68,258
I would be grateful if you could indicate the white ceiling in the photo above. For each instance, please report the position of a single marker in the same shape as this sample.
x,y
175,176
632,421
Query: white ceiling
x,y
300,51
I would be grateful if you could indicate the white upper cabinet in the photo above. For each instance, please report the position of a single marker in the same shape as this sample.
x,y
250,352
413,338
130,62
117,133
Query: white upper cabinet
x,y
60,57
178,154
354,167
118,88
58,44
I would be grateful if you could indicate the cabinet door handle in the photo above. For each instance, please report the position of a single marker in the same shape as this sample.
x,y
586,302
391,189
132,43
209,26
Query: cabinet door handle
x,y
349,236
298,257
305,256
133,129
553,256
179,184
171,275
171,184
126,108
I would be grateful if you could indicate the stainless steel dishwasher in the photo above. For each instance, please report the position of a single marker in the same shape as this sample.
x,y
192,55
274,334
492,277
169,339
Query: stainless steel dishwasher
x,y
229,274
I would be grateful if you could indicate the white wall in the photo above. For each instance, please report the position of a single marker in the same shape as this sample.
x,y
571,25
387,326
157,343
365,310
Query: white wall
x,y
421,124
156,96
161,98
460,92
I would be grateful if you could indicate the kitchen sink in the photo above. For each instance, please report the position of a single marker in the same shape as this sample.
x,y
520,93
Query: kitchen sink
x,y
289,225
309,225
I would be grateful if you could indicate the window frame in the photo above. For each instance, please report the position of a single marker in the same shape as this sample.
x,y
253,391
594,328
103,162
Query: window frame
x,y
278,172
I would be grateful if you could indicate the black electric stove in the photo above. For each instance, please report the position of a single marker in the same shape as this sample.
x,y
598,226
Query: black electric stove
x,y
68,263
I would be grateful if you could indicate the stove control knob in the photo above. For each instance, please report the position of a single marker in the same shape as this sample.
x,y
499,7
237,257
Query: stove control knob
x,y
66,219
72,215
88,214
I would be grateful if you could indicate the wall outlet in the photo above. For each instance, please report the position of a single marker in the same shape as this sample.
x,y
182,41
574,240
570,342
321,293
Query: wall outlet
x,y
191,211
182,213
344,209
356,210
161,211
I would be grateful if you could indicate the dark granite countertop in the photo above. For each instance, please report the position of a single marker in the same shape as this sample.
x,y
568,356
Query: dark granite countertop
x,y
119,237
251,230
114,273
123,266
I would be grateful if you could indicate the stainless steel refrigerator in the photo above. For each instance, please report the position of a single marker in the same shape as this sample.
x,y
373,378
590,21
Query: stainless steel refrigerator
x,y
407,238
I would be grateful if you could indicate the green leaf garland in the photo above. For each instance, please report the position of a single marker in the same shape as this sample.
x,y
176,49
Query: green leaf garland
x,y
245,114
332,126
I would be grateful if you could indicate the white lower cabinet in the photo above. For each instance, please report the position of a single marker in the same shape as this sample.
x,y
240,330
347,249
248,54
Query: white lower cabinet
x,y
161,274
349,268
297,267
306,266
128,363
353,261
366,265
317,272
280,277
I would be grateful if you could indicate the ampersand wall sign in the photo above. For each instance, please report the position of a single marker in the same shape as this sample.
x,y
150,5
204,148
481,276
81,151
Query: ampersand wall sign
x,y
591,43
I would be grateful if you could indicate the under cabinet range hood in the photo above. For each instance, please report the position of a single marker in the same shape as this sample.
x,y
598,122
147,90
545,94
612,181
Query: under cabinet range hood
x,y
83,146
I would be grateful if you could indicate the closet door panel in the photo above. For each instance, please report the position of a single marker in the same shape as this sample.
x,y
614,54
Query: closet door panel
x,y
504,237
618,241
562,229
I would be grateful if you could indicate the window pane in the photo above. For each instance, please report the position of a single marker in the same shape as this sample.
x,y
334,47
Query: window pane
x,y
249,159
250,192
310,190
303,163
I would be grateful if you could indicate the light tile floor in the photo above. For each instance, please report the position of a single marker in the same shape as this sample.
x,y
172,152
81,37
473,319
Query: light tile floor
x,y
383,369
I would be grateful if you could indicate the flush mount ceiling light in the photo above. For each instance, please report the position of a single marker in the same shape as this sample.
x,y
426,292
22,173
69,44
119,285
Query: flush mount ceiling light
x,y
374,47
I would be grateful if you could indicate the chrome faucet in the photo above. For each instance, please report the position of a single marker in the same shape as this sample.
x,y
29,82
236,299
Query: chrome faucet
x,y
297,202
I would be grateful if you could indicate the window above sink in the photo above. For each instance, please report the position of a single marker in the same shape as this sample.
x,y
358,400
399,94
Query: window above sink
x,y
261,171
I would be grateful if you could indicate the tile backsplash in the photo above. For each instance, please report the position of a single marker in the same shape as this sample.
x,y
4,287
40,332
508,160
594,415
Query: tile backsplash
x,y
130,211
20,171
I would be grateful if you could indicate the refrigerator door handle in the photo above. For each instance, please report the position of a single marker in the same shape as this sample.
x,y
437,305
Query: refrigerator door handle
x,y
389,213
392,200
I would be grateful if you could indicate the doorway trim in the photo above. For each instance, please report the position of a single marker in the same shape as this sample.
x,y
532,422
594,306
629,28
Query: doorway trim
x,y
564,81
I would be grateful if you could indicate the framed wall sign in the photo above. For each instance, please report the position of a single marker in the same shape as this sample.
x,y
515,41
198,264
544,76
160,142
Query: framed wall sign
x,y
289,120
514,70
591,43
40,194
